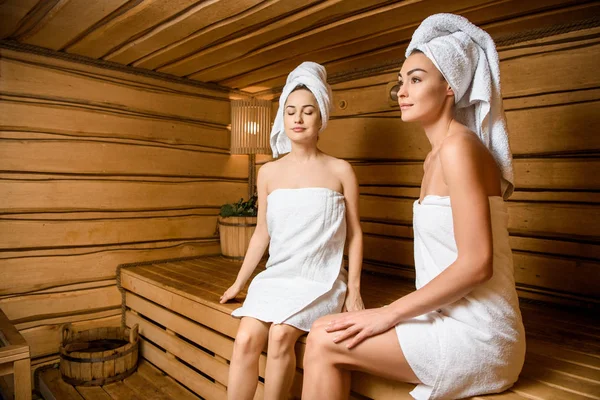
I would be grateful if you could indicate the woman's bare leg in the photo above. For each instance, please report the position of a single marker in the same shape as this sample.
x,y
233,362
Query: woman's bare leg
x,y
250,340
281,361
327,365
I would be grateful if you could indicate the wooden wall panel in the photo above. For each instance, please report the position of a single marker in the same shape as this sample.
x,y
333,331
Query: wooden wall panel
x,y
100,168
45,153
36,270
552,94
116,195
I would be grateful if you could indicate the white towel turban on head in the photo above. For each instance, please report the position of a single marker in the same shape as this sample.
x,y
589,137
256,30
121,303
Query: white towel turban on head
x,y
314,77
467,58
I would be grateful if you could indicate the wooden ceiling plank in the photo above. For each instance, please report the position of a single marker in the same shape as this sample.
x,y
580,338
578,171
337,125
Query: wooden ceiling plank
x,y
71,20
270,68
196,18
336,63
36,18
12,13
253,17
127,26
281,28
353,27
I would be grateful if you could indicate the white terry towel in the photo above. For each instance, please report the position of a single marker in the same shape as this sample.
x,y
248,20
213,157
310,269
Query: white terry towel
x,y
314,77
304,279
475,345
467,58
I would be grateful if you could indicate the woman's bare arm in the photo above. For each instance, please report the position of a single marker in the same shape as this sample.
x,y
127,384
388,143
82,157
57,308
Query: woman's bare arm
x,y
259,241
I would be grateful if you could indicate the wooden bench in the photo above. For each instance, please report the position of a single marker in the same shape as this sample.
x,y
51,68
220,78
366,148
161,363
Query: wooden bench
x,y
15,358
189,335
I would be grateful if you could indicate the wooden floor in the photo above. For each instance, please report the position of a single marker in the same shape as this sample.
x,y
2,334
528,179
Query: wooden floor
x,y
148,383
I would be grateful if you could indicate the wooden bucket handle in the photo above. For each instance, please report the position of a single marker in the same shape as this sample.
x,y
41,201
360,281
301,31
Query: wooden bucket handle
x,y
66,333
134,333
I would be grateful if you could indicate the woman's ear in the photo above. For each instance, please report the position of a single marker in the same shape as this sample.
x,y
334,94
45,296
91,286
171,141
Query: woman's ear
x,y
449,91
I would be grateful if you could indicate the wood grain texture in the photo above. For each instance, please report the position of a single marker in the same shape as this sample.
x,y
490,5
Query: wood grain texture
x,y
64,136
559,361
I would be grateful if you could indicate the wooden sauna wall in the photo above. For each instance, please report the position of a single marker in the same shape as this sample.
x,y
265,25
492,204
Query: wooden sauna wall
x,y
551,88
97,168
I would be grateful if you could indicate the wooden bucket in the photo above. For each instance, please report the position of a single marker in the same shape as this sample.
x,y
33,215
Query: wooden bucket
x,y
98,356
235,234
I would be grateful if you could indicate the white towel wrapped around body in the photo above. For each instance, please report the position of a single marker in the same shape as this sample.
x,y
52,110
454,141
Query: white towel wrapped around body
x,y
475,345
314,77
467,58
304,279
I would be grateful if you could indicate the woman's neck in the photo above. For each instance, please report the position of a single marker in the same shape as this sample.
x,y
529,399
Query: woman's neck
x,y
438,130
303,154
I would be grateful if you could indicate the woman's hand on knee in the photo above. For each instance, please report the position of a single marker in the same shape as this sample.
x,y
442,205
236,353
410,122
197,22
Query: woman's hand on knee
x,y
360,325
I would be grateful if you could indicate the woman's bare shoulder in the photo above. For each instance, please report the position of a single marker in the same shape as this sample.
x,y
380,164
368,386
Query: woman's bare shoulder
x,y
338,166
461,142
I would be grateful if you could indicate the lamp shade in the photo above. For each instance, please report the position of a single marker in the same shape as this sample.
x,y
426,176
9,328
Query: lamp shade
x,y
250,126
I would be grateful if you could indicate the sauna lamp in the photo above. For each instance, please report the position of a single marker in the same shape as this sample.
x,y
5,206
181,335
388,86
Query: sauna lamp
x,y
250,126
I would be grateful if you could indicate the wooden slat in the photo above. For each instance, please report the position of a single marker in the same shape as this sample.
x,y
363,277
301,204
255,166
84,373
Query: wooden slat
x,y
126,26
62,84
78,315
38,270
10,353
73,119
10,336
64,233
120,391
145,389
180,372
13,12
164,382
70,21
123,195
75,286
533,389
53,387
122,76
185,306
590,374
200,17
92,393
207,338
22,307
520,79
48,156
180,349
530,173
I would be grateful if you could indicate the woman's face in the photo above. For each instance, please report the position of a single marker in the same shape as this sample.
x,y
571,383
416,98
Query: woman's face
x,y
302,119
423,90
